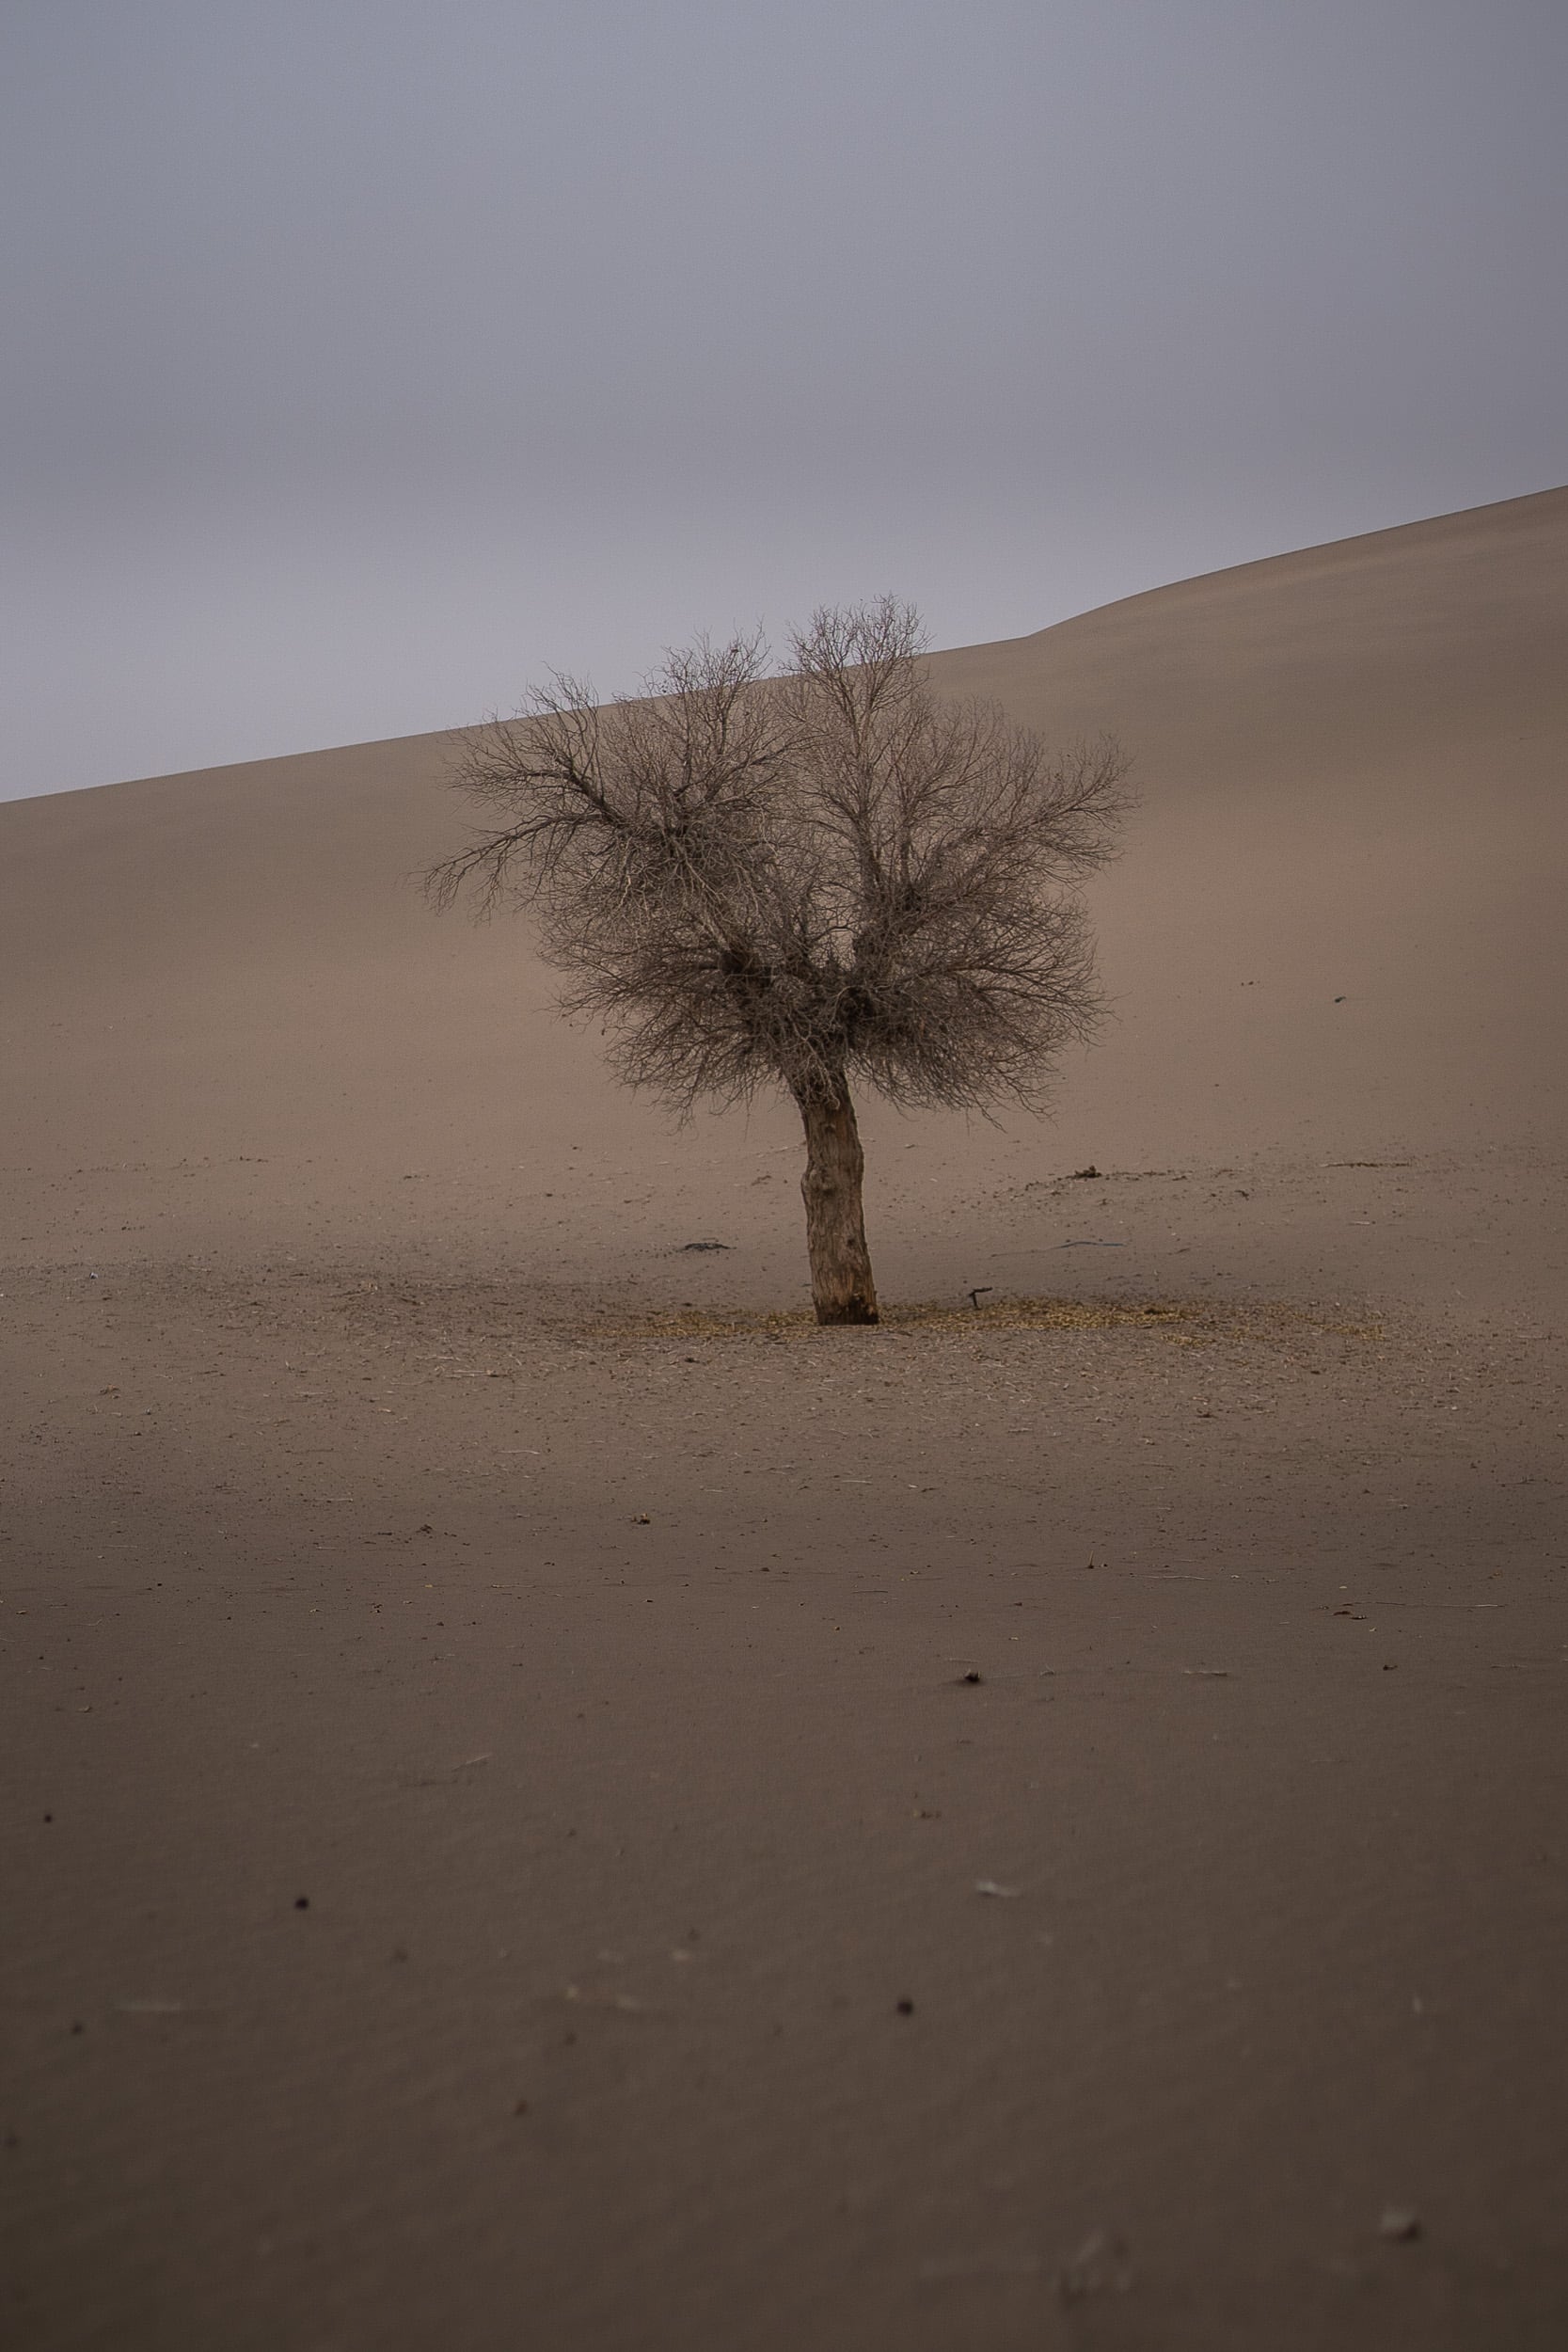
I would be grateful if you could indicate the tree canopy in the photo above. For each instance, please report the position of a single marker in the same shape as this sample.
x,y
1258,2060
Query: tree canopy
x,y
792,880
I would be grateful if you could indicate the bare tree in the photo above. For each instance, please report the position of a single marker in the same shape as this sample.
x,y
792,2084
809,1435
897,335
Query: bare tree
x,y
757,881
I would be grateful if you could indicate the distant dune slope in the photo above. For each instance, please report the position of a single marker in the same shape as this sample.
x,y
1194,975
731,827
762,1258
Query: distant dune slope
x,y
227,1018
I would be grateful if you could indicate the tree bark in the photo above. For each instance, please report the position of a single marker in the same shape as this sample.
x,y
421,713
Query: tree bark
x,y
842,1289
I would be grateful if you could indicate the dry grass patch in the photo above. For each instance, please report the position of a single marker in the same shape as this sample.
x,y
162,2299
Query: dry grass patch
x,y
1188,1321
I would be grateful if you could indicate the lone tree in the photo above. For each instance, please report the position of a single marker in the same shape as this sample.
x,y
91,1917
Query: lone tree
x,y
785,881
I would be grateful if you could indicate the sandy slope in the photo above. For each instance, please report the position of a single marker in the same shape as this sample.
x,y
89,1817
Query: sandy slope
x,y
1352,769
600,1680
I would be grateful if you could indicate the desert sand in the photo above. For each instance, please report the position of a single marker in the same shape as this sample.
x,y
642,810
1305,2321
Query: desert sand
x,y
547,1802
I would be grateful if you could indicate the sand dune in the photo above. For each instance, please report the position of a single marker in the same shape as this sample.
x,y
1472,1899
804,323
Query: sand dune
x,y
1029,1826
1334,934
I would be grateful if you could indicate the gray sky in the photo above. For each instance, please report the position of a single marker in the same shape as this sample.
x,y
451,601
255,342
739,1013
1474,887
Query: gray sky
x,y
364,359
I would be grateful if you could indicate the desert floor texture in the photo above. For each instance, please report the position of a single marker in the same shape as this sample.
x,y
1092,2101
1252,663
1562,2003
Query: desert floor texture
x,y
548,1802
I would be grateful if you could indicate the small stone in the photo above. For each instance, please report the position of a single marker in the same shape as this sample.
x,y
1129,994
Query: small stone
x,y
1399,2223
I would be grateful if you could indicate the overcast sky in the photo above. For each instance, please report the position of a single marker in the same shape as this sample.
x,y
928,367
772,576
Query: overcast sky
x,y
363,359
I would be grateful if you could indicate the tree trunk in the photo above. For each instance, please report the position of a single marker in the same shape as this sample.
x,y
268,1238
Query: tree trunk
x,y
841,1286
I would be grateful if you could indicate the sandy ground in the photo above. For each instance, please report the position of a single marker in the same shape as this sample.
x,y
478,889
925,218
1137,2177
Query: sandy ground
x,y
506,1728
